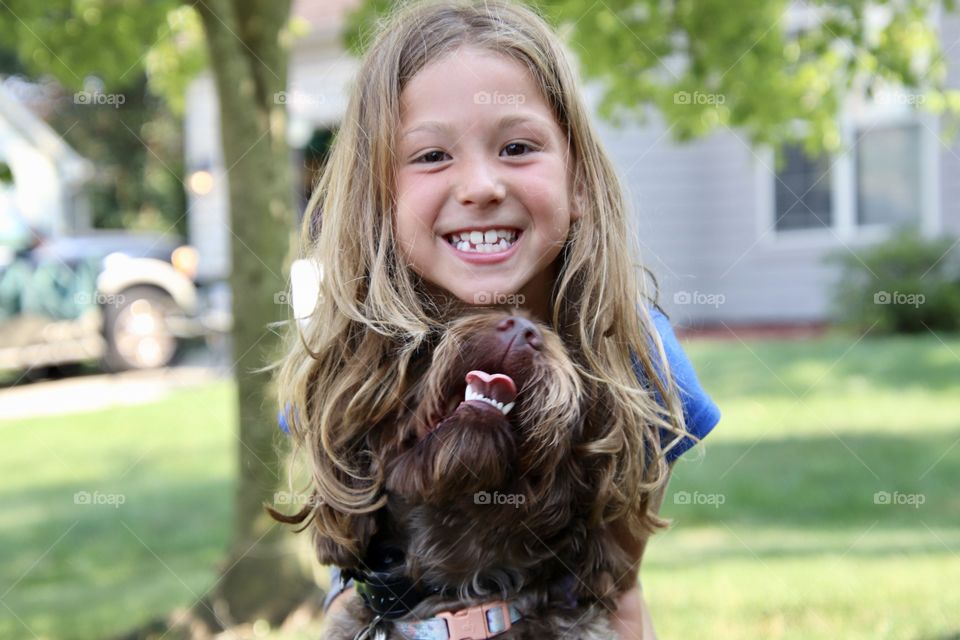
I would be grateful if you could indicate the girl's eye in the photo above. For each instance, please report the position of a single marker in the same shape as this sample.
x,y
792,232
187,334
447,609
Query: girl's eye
x,y
513,147
431,156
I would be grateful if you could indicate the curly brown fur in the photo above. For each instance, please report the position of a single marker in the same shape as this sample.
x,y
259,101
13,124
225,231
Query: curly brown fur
x,y
440,457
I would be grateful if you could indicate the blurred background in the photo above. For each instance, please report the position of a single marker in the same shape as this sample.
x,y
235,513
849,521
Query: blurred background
x,y
793,175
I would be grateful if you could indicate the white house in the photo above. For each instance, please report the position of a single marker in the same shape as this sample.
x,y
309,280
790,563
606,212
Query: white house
x,y
730,238
46,192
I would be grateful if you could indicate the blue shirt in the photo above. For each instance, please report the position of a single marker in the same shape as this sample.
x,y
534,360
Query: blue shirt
x,y
699,411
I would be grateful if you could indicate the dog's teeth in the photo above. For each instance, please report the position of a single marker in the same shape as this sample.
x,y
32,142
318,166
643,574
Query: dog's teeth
x,y
472,394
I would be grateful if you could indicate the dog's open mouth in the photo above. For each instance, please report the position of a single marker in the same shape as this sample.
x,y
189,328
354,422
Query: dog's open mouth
x,y
488,391
497,390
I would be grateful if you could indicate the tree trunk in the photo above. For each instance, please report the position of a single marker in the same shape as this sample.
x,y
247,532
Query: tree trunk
x,y
261,577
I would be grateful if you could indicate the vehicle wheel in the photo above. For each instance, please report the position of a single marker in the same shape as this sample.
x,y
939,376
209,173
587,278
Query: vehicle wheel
x,y
136,330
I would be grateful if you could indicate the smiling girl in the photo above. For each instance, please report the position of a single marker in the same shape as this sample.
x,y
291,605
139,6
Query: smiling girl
x,y
466,173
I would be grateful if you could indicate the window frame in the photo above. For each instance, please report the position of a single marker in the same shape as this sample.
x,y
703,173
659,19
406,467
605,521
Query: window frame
x,y
857,118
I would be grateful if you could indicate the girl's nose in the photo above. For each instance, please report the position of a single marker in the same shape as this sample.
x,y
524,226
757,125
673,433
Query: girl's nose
x,y
480,184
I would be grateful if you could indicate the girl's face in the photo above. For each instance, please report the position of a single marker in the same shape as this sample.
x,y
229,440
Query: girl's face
x,y
484,199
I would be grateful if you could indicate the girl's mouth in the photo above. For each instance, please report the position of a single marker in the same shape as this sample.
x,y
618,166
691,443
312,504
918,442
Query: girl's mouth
x,y
484,247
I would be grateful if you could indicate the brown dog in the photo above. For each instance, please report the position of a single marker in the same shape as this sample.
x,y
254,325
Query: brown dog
x,y
490,526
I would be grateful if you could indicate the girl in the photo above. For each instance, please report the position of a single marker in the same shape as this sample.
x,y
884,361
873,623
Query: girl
x,y
466,173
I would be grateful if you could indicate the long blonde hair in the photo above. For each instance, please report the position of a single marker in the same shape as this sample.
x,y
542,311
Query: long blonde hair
x,y
345,370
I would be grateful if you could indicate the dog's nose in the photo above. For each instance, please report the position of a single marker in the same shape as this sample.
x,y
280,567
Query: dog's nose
x,y
520,331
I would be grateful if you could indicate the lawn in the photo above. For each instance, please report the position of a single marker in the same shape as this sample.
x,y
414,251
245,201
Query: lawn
x,y
787,540
158,478
777,530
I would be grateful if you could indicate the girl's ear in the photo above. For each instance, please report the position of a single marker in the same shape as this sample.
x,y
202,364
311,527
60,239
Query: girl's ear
x,y
578,202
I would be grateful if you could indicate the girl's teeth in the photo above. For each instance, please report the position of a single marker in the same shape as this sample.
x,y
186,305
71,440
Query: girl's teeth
x,y
490,241
503,245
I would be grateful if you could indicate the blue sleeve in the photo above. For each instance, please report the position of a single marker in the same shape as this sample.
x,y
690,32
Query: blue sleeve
x,y
336,587
699,411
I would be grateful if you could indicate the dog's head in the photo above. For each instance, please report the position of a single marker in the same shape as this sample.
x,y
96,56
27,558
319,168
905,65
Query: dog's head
x,y
493,404
498,406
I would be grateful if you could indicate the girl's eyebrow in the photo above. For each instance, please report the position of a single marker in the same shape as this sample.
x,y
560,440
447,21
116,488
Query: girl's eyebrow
x,y
503,123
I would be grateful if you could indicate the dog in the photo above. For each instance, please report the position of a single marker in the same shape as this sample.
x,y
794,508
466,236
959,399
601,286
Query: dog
x,y
490,526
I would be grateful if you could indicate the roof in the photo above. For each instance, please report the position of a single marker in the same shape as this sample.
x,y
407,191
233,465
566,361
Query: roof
x,y
72,166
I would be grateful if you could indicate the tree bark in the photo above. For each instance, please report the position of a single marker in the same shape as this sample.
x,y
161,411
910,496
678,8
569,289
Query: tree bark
x,y
261,577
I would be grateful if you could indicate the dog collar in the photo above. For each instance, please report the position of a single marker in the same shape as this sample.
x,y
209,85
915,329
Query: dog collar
x,y
473,623
385,593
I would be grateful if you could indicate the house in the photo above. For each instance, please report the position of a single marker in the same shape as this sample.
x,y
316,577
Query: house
x,y
46,177
731,238
724,232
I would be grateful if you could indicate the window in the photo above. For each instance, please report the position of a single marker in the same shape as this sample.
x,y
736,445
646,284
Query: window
x,y
802,197
885,176
888,176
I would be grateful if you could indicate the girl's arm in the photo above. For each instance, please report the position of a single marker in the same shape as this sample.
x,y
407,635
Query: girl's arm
x,y
632,619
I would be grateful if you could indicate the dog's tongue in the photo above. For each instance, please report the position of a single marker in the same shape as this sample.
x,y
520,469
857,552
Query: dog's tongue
x,y
498,386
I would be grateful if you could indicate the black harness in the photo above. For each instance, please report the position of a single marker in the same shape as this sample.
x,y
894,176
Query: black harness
x,y
386,592
390,594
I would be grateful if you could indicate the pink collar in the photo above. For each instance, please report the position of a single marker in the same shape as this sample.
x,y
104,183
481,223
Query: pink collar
x,y
478,622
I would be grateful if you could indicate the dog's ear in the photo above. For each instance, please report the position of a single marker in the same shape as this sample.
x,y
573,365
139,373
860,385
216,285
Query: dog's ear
x,y
344,545
340,538
622,544
600,566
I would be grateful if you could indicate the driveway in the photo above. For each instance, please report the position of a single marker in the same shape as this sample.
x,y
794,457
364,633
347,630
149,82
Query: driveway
x,y
94,392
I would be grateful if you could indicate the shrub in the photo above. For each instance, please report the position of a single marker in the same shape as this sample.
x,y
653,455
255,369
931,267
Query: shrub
x,y
905,284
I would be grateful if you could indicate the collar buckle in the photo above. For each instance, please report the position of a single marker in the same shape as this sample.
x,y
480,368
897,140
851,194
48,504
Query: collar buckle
x,y
478,622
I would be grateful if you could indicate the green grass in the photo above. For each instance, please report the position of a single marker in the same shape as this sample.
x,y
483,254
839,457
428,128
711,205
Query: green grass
x,y
74,570
797,549
797,546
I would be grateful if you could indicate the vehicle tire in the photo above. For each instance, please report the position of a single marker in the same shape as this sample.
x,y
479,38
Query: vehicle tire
x,y
136,332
